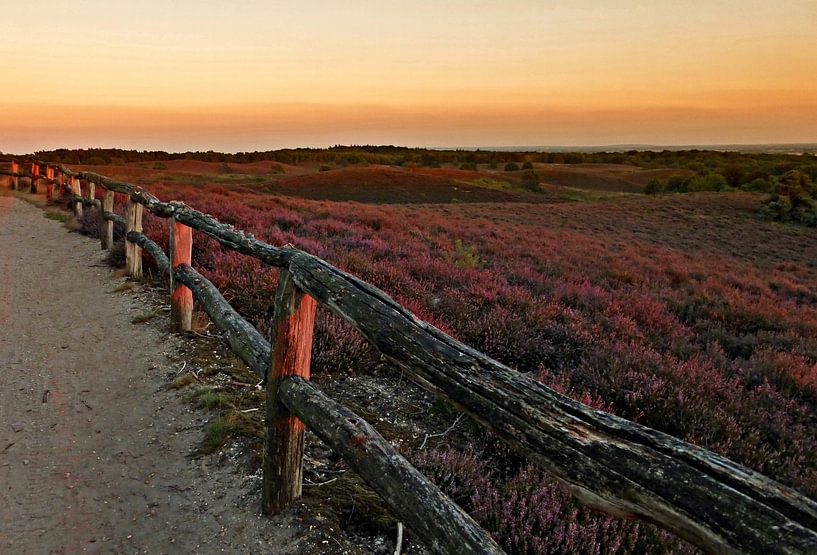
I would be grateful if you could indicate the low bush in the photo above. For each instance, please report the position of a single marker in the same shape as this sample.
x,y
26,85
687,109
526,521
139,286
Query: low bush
x,y
794,200
654,186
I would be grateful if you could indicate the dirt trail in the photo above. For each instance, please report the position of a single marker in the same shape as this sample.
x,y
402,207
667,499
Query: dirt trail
x,y
94,450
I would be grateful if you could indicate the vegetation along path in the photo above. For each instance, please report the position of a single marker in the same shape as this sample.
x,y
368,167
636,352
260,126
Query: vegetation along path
x,y
94,450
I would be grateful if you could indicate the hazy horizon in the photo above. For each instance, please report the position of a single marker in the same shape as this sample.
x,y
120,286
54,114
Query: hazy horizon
x,y
802,148
255,75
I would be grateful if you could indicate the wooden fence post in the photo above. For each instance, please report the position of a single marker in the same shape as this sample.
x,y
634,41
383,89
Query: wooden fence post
x,y
76,186
14,169
49,183
181,298
106,226
60,182
35,173
133,253
91,190
292,329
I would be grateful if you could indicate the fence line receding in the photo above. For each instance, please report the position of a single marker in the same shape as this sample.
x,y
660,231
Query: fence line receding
x,y
609,463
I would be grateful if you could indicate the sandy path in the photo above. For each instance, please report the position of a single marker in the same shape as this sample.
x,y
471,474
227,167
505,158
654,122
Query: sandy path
x,y
103,465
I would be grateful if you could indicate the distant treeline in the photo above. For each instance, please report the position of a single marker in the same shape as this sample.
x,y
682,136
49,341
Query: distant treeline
x,y
734,166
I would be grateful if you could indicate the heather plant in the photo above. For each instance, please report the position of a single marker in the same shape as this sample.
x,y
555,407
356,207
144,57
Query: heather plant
x,y
684,313
529,513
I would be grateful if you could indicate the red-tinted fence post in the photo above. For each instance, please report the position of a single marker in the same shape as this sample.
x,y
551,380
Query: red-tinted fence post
x,y
49,182
292,330
14,169
181,298
35,175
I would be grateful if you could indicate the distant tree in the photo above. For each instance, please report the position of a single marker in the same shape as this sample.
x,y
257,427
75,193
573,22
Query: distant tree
x,y
734,175
527,165
511,167
468,166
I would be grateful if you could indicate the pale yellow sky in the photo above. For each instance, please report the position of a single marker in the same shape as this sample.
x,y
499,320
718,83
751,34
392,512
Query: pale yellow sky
x,y
247,74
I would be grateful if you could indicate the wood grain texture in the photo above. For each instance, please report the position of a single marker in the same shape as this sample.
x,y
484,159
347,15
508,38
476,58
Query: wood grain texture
x,y
76,187
609,463
293,326
428,512
181,298
240,335
407,492
105,224
133,253
154,250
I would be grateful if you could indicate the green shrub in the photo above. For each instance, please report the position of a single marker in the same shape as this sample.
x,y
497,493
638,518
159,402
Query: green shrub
x,y
654,186
710,182
758,185
530,180
527,165
794,199
465,256
676,184
511,167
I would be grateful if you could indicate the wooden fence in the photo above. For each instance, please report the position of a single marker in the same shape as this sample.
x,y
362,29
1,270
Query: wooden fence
x,y
609,463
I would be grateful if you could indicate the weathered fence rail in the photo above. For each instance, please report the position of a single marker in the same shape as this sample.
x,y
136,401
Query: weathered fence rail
x,y
609,463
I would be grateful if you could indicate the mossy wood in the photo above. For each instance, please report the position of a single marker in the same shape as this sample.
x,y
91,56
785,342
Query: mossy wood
x,y
427,511
255,351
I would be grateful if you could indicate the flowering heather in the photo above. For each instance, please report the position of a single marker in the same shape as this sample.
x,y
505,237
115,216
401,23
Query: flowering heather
x,y
684,313
530,513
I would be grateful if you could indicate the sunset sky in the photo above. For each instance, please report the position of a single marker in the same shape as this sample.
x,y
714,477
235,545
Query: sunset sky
x,y
255,75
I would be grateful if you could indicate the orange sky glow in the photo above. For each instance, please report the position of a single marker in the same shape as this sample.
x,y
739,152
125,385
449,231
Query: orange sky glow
x,y
256,75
